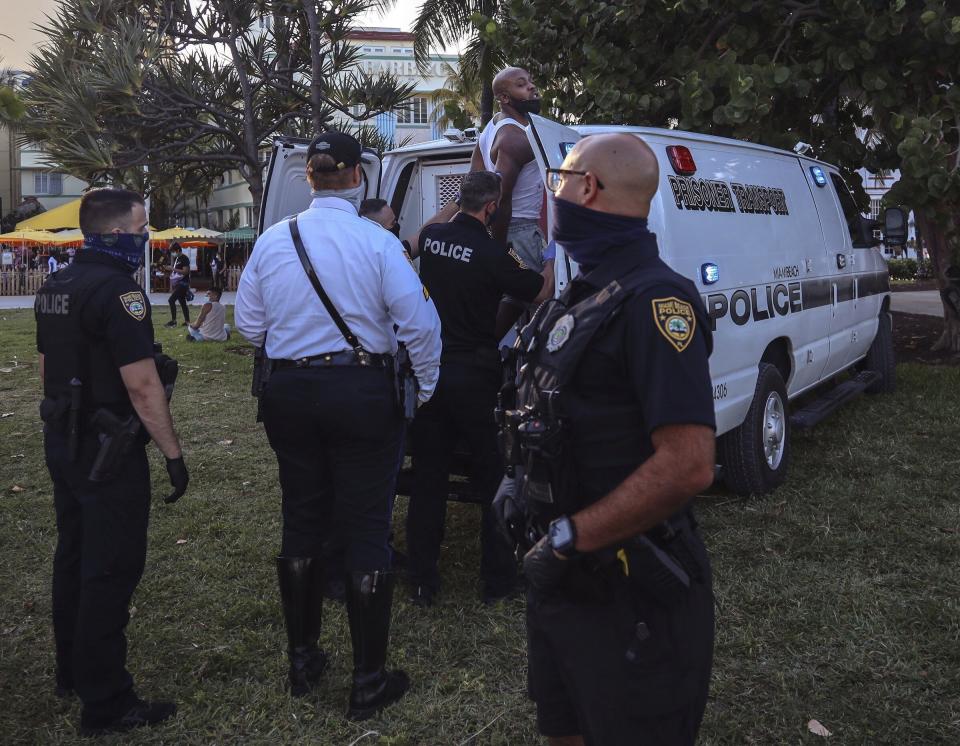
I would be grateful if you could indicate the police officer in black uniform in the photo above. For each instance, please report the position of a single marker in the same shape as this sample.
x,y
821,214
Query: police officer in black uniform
x,y
102,389
611,436
466,273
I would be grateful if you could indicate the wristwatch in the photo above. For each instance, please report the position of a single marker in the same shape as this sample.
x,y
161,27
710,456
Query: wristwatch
x,y
563,536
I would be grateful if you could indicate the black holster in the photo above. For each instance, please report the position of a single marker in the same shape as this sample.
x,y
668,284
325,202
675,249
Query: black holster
x,y
116,438
405,383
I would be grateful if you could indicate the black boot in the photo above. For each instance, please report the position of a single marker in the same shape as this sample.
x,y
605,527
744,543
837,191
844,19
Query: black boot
x,y
369,598
301,592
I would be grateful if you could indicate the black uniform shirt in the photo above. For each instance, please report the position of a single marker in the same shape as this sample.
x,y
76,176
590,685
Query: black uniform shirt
x,y
467,273
107,325
642,368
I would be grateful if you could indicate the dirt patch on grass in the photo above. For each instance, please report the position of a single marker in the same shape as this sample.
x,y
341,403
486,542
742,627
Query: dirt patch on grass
x,y
913,337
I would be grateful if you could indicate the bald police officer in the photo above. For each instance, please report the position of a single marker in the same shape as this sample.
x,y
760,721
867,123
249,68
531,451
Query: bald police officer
x,y
614,434
466,272
329,408
95,339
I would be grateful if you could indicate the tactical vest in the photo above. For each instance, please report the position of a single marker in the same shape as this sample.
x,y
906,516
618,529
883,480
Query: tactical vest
x,y
551,347
71,350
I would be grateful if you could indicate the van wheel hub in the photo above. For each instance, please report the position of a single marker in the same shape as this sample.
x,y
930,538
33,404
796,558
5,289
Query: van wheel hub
x,y
774,430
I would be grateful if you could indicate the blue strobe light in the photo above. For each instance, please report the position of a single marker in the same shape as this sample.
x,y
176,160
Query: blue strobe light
x,y
818,176
709,273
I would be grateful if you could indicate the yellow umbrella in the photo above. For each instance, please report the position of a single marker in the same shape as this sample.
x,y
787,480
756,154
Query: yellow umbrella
x,y
27,236
64,216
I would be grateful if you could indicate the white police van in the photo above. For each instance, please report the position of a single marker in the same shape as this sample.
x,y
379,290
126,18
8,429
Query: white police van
x,y
795,289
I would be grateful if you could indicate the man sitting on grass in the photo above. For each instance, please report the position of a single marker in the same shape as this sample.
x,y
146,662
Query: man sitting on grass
x,y
210,326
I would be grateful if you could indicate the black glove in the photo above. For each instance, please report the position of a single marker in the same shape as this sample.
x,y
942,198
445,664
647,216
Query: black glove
x,y
178,478
509,514
544,568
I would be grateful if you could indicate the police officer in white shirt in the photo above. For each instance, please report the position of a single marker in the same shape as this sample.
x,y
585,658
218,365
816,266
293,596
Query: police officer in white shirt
x,y
332,421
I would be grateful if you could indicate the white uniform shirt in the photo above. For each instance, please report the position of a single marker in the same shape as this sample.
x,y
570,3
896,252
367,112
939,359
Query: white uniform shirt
x,y
365,273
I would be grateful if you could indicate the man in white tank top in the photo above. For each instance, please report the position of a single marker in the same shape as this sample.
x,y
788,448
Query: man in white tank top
x,y
503,147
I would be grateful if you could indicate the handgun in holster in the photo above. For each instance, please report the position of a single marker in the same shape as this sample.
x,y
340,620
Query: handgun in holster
x,y
405,383
663,567
116,437
53,411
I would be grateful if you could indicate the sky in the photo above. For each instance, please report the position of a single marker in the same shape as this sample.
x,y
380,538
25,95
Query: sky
x,y
18,18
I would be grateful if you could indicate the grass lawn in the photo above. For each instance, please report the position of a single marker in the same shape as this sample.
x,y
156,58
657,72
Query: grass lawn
x,y
838,597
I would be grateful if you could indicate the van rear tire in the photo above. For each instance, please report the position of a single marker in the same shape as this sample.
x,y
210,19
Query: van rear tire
x,y
881,358
755,456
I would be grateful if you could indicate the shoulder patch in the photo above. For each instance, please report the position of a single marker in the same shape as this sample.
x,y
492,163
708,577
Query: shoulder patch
x,y
675,320
426,293
134,304
516,258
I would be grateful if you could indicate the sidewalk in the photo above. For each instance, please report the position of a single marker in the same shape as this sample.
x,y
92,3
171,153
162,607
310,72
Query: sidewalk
x,y
157,300
924,302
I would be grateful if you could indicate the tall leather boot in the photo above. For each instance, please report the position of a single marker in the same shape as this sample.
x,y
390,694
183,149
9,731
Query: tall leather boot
x,y
369,599
301,593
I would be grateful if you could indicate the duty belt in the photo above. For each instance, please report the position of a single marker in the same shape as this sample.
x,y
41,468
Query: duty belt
x,y
334,359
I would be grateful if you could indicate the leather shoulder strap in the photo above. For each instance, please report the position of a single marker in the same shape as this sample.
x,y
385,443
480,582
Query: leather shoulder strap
x,y
318,288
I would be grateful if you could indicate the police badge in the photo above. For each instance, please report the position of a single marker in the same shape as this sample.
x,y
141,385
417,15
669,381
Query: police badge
x,y
675,320
134,304
560,333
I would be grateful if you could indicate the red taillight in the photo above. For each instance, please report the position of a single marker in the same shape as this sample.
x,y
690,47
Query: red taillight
x,y
682,160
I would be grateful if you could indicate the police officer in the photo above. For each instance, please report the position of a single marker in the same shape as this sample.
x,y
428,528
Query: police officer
x,y
466,272
329,408
95,339
614,433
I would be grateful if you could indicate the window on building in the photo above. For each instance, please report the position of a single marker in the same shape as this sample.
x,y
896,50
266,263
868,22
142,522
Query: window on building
x,y
377,50
875,209
45,182
249,216
413,112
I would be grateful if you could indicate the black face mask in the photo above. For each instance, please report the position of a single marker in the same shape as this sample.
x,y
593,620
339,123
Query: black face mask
x,y
492,216
395,230
527,106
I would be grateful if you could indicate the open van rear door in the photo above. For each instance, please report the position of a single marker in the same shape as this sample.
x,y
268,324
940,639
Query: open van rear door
x,y
285,189
551,141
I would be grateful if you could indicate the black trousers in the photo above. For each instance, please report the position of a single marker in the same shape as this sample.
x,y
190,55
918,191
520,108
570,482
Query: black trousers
x,y
179,293
461,408
100,555
337,433
591,673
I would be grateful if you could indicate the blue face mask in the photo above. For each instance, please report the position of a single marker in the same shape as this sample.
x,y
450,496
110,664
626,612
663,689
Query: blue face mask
x,y
127,247
587,235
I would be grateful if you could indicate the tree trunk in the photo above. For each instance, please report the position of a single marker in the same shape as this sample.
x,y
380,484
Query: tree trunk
x,y
939,250
316,69
255,185
486,103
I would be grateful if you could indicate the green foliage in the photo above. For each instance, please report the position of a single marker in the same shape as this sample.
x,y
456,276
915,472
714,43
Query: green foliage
x,y
776,73
191,90
902,269
442,23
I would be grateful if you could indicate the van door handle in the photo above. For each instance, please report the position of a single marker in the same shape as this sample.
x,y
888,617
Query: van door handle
x,y
835,298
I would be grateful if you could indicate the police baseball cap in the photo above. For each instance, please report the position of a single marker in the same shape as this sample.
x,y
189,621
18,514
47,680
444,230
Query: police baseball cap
x,y
343,148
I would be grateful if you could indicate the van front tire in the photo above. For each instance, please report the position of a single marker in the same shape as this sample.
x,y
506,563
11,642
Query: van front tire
x,y
881,358
755,455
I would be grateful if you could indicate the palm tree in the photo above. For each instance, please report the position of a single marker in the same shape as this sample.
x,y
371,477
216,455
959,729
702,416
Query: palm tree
x,y
457,104
443,22
11,107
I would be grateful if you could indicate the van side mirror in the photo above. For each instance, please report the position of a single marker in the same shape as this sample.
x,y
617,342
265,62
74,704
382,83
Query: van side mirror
x,y
894,227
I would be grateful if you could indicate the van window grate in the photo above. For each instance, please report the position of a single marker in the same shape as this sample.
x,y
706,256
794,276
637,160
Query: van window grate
x,y
448,186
